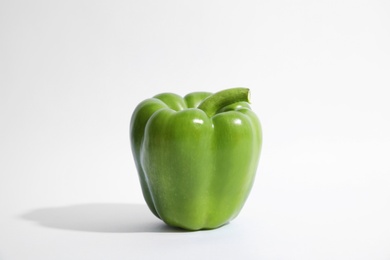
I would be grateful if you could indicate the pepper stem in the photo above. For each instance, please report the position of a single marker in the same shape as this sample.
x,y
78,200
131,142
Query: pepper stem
x,y
221,99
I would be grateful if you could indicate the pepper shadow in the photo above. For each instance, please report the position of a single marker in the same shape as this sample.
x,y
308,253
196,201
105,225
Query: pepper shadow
x,y
100,217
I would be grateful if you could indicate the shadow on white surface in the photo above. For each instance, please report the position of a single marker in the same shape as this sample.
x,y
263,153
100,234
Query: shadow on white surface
x,y
100,217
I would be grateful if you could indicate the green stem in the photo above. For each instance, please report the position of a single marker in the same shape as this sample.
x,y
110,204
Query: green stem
x,y
221,99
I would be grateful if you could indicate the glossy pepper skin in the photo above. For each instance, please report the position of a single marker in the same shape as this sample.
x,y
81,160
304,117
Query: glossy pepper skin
x,y
196,156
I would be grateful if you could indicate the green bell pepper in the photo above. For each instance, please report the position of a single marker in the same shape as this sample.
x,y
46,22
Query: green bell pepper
x,y
196,156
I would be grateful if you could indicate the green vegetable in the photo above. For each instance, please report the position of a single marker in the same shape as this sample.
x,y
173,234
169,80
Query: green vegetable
x,y
196,156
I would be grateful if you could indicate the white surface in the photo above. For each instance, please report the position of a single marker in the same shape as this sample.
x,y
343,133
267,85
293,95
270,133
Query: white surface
x,y
71,73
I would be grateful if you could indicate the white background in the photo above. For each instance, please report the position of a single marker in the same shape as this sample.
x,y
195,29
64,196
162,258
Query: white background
x,y
71,73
